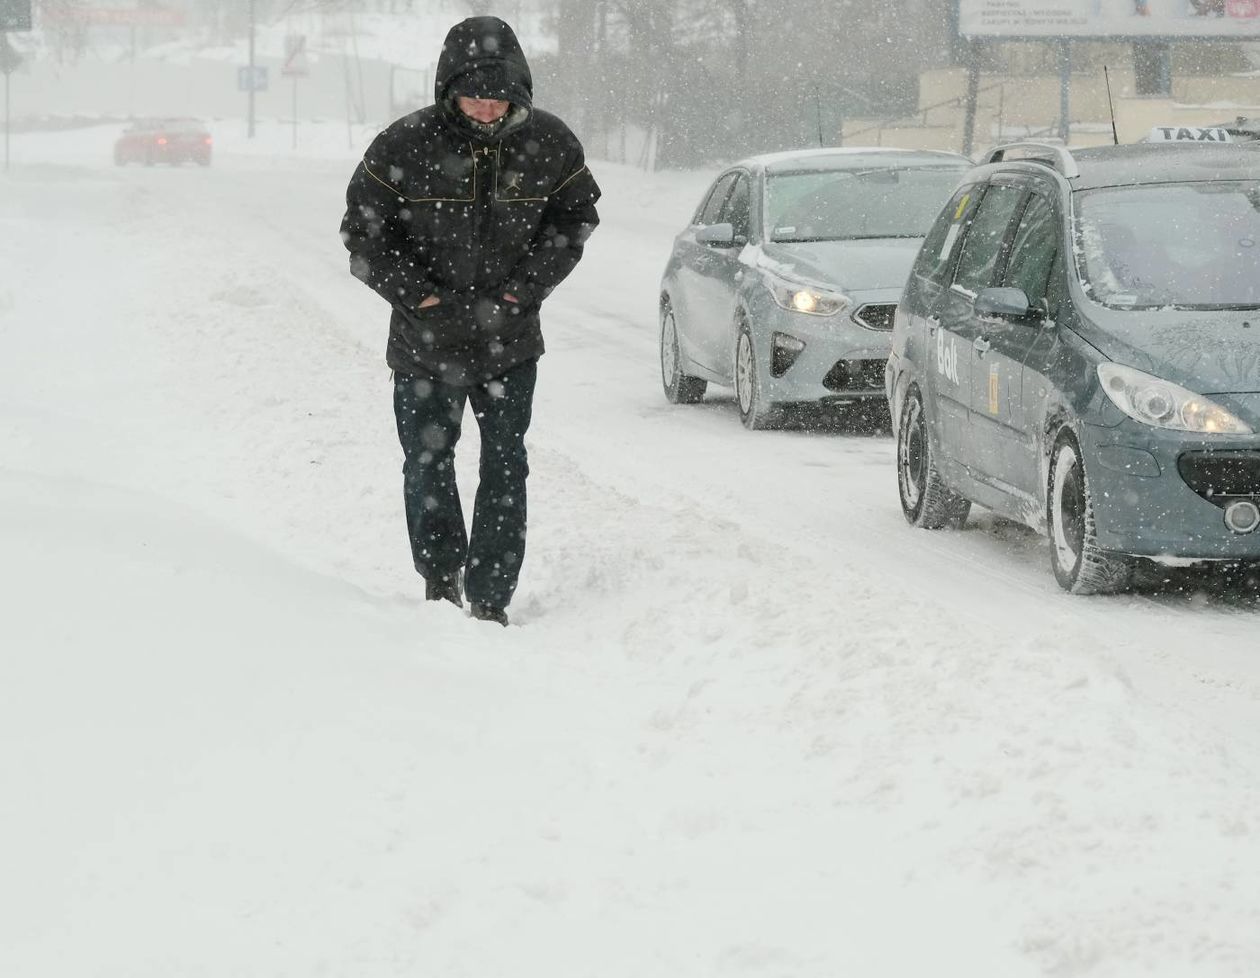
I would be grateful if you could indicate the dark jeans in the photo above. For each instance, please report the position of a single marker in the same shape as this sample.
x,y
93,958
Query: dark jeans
x,y
429,415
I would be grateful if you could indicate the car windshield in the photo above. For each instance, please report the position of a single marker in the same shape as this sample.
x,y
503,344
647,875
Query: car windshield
x,y
181,125
844,205
1177,245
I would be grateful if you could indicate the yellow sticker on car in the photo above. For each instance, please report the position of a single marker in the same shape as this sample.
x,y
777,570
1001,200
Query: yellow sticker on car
x,y
995,386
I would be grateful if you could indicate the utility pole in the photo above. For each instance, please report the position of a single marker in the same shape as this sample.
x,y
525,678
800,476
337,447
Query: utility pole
x,y
972,97
1065,90
4,66
9,61
253,80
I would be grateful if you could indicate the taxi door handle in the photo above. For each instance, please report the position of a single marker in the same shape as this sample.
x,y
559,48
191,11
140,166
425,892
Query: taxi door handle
x,y
933,323
981,345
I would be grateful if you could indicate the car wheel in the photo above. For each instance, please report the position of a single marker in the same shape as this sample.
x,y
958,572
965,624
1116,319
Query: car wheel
x,y
926,500
1079,565
754,411
679,388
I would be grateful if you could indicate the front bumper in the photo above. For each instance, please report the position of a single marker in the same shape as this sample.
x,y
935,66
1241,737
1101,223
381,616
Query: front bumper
x,y
842,360
1142,503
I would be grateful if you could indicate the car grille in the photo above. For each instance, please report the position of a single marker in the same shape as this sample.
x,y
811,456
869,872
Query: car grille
x,y
1221,477
855,375
876,315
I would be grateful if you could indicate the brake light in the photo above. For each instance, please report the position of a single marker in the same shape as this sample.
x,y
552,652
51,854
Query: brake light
x,y
208,140
161,140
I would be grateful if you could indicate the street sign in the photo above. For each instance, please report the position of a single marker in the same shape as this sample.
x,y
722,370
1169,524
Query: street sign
x,y
295,63
15,15
10,60
254,80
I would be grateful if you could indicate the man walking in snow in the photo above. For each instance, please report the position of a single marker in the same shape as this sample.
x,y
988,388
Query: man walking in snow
x,y
464,216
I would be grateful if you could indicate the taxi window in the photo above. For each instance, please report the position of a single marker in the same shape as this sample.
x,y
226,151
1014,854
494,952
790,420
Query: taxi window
x,y
709,213
938,246
735,212
983,245
1034,249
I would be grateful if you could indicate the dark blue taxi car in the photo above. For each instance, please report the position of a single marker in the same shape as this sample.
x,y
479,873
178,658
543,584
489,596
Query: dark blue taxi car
x,y
1078,348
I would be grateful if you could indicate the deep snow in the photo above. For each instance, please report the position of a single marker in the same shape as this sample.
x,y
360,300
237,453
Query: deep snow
x,y
749,723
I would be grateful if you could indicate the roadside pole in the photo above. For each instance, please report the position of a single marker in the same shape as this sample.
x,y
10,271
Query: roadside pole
x,y
4,65
295,66
1065,90
15,15
972,96
252,72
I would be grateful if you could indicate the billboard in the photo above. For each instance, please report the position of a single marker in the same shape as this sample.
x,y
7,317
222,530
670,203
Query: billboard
x,y
1109,18
15,15
115,17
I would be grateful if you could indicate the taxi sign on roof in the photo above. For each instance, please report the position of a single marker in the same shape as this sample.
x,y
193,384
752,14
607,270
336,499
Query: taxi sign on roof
x,y
1189,134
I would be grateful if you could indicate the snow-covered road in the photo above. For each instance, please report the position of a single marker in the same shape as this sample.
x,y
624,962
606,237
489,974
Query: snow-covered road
x,y
749,724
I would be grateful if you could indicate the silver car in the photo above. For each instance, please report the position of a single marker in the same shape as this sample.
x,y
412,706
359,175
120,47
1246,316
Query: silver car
x,y
785,283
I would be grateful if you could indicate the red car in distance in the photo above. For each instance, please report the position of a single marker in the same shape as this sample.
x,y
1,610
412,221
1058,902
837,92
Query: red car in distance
x,y
151,141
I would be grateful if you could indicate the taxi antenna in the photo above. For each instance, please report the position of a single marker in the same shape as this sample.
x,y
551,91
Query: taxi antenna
x,y
818,112
1115,137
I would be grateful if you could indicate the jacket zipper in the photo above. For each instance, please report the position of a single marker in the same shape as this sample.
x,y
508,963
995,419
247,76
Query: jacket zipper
x,y
483,213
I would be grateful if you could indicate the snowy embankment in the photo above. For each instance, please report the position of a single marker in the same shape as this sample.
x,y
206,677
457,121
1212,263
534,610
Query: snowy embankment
x,y
749,724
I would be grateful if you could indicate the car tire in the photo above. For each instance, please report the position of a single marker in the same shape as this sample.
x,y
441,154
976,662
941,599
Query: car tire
x,y
754,411
927,502
1079,565
679,387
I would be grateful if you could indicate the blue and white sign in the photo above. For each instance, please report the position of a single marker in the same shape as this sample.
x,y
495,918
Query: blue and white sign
x,y
254,80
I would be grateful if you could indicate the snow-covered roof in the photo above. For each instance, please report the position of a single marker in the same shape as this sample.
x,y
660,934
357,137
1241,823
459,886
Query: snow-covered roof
x,y
841,156
1139,163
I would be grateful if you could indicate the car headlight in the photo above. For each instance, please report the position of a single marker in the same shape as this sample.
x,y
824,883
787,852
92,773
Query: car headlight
x,y
809,299
1161,404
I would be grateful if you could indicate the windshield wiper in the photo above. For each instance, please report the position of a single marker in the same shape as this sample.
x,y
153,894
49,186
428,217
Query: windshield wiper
x,y
1185,307
1224,306
850,237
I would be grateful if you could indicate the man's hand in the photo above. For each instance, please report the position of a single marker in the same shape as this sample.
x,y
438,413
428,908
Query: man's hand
x,y
509,297
429,302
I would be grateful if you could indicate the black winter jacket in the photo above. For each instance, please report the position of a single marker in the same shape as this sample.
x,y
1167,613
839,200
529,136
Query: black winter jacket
x,y
439,208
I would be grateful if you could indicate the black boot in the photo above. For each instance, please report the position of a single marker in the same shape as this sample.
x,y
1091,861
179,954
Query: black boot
x,y
443,589
488,612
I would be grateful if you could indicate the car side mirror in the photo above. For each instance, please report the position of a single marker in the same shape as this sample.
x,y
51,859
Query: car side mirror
x,y
1007,306
718,235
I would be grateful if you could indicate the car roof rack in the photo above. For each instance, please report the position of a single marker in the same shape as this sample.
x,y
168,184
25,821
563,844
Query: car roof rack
x,y
1050,154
